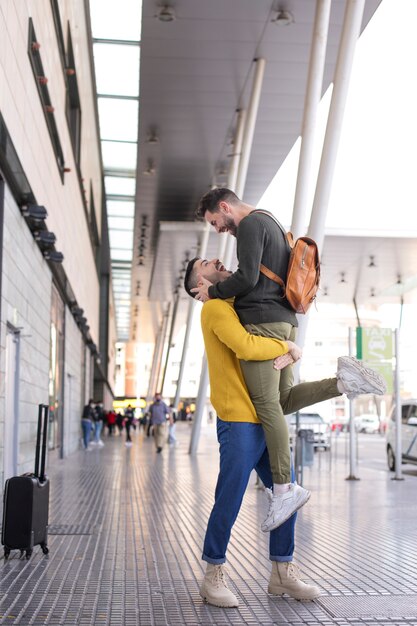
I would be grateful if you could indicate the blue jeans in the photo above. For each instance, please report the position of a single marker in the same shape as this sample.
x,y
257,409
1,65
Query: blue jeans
x,y
242,449
86,426
98,426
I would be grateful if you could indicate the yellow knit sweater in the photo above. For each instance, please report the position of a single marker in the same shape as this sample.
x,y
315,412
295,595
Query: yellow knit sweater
x,y
226,342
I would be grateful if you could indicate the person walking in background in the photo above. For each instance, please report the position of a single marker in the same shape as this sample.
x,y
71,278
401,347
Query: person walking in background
x,y
111,422
172,440
129,417
87,423
119,422
159,414
98,419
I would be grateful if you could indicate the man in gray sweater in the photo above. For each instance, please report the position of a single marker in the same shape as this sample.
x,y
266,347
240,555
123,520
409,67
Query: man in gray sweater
x,y
263,310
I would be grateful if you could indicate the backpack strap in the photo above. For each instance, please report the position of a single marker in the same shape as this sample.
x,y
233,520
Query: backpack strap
x,y
290,243
270,274
287,236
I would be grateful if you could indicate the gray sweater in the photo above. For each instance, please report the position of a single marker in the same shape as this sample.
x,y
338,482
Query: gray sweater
x,y
258,299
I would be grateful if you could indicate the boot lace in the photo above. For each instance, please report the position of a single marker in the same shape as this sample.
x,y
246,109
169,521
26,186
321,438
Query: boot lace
x,y
218,577
293,571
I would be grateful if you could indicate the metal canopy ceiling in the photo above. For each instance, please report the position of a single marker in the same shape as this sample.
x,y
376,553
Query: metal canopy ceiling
x,y
196,71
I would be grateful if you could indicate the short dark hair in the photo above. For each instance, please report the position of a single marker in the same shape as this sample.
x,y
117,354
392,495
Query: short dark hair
x,y
210,200
190,278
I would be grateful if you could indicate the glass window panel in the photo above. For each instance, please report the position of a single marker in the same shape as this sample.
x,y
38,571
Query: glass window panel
x,y
120,223
118,119
117,69
119,186
119,208
119,156
121,255
116,20
121,239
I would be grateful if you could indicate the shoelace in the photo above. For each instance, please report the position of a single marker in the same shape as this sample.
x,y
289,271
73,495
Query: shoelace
x,y
219,577
293,571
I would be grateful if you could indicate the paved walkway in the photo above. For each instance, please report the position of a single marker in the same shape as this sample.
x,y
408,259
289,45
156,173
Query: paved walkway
x,y
127,527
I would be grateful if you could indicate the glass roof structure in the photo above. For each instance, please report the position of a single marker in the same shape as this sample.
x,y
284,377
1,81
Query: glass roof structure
x,y
116,30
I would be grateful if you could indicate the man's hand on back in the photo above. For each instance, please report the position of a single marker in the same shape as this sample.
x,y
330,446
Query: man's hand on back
x,y
201,291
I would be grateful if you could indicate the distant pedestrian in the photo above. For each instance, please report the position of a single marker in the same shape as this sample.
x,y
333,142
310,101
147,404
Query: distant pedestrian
x,y
87,423
159,414
129,417
98,419
119,422
111,422
172,440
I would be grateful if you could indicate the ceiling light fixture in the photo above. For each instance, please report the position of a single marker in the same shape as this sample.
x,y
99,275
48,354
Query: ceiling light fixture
x,y
150,170
372,261
166,14
152,136
342,277
283,18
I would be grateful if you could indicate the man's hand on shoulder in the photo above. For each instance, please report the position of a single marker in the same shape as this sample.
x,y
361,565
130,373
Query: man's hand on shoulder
x,y
201,291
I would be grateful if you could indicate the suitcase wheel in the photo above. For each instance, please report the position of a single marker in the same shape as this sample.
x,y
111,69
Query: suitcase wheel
x,y
28,554
45,548
6,553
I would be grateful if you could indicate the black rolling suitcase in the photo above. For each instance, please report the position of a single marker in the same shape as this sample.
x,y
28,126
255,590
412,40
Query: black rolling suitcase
x,y
26,501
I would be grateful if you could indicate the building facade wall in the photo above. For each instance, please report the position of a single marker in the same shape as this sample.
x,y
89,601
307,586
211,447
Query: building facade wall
x,y
23,113
27,281
25,305
73,398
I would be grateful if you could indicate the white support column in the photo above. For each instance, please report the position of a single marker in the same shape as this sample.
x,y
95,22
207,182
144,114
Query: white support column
x,y
200,404
247,142
398,417
250,126
154,364
351,30
190,317
227,241
352,429
171,333
202,250
162,346
311,105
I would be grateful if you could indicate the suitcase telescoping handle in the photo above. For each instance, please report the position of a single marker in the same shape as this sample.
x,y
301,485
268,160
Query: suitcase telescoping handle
x,y
41,446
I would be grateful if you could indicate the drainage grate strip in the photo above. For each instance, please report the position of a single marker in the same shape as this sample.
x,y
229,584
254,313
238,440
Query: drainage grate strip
x,y
376,607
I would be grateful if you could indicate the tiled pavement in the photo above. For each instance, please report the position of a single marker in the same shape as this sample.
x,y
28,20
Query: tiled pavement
x,y
127,527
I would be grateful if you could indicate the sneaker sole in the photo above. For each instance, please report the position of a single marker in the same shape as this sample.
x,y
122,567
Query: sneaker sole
x,y
373,378
274,526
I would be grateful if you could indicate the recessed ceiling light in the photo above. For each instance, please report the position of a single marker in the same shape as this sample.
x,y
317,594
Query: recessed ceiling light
x,y
283,18
166,14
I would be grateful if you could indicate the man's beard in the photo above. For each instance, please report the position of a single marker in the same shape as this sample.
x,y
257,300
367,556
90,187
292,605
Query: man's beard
x,y
231,226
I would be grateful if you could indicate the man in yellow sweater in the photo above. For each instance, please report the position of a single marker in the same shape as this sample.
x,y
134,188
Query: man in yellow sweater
x,y
241,438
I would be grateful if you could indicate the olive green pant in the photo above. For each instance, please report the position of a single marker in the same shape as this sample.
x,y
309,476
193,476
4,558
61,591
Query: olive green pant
x,y
273,394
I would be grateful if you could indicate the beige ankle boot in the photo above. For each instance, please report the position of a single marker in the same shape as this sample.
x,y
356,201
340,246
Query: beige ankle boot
x,y
214,589
285,578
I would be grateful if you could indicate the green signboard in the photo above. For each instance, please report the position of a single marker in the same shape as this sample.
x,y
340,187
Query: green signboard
x,y
374,344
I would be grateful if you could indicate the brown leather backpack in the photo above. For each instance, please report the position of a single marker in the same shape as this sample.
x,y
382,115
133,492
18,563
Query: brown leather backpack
x,y
303,274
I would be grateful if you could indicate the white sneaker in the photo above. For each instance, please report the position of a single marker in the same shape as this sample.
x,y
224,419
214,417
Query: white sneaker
x,y
214,589
100,443
354,378
283,505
